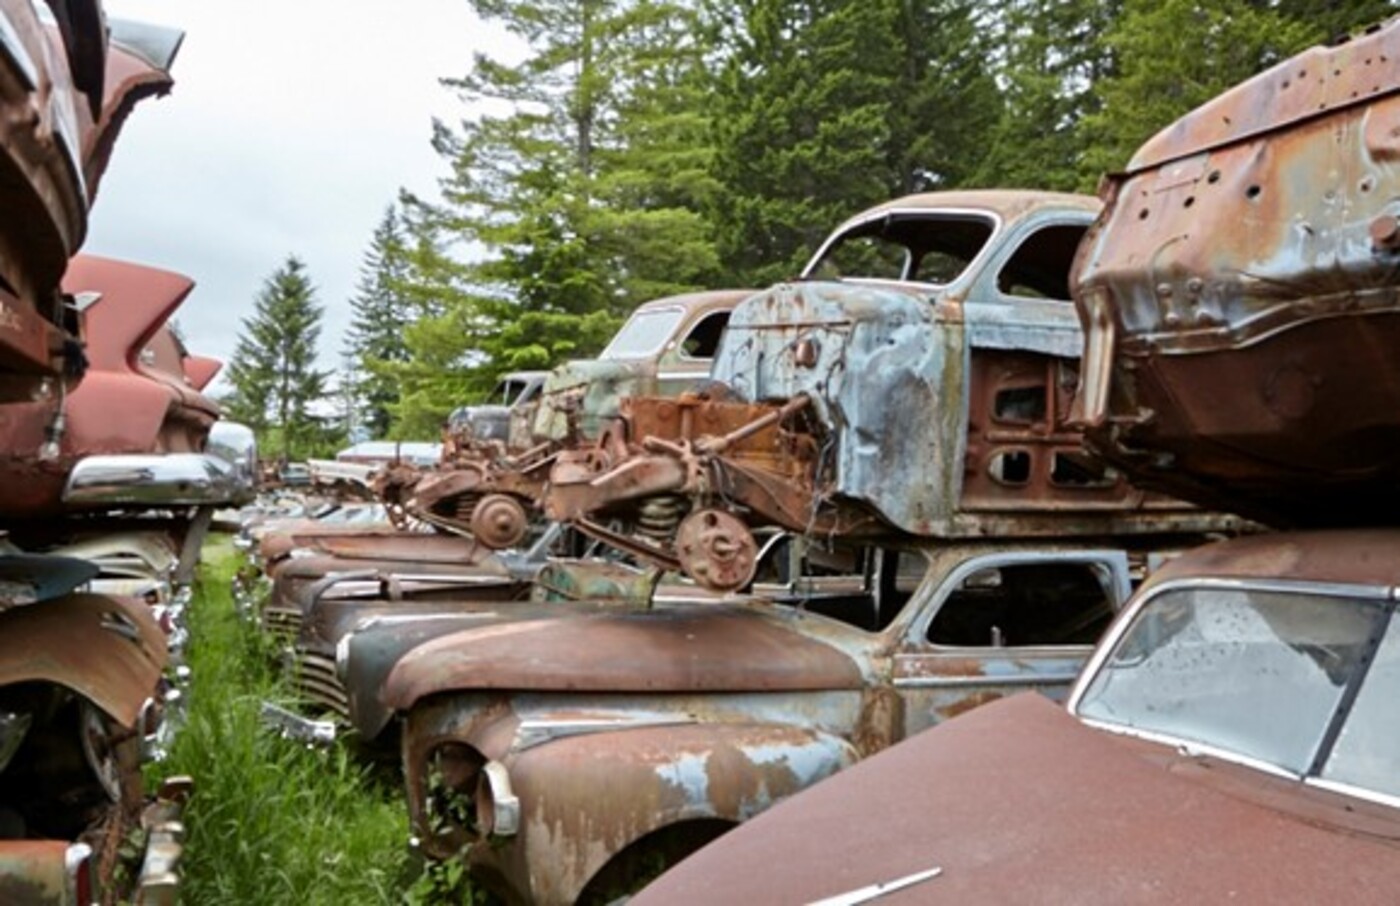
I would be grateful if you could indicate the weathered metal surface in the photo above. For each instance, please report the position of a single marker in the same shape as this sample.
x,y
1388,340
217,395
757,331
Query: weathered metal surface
x,y
123,406
676,773
40,872
471,490
715,648
637,683
108,650
880,406
65,95
1239,296
988,799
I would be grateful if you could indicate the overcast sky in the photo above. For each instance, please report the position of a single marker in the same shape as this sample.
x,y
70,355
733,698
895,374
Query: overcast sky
x,y
291,126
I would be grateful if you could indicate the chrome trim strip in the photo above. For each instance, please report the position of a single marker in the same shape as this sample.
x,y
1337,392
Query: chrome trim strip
x,y
1356,792
174,479
294,726
537,731
1193,749
1017,679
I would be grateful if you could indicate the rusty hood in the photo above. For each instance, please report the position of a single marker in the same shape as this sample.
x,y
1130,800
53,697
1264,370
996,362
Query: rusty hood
x,y
1019,802
685,648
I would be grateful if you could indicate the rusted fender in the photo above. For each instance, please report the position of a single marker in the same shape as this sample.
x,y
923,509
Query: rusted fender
x,y
38,872
385,633
698,648
107,649
657,776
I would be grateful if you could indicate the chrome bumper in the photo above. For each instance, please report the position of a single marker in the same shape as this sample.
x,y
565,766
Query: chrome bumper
x,y
175,479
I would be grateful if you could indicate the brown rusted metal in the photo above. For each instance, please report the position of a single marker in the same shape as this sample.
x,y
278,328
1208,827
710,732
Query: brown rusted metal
x,y
880,406
64,94
717,548
108,650
987,799
1238,295
672,685
578,401
710,648
123,405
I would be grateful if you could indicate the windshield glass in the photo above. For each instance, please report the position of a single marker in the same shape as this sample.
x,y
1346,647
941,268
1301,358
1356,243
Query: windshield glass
x,y
925,247
644,333
1260,674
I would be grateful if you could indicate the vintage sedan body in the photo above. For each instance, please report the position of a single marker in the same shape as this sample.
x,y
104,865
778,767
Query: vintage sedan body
x,y
559,750
1233,738
914,383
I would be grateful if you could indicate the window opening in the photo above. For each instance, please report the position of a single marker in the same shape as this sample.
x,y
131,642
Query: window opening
x,y
1040,267
1025,604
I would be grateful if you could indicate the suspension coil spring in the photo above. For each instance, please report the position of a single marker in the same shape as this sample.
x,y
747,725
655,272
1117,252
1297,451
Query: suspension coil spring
x,y
463,505
657,517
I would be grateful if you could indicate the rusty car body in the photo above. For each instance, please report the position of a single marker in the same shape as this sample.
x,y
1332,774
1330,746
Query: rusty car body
x,y
490,489
1251,246
135,397
1231,738
66,88
558,749
85,675
913,383
505,414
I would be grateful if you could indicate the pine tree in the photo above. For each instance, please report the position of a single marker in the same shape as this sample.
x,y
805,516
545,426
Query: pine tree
x,y
825,107
1153,84
275,382
575,195
1049,58
376,333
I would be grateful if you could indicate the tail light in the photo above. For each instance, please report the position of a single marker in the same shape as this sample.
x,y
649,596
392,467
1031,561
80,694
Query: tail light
x,y
77,863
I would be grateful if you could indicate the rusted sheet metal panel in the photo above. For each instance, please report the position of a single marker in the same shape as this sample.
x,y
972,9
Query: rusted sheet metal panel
x,y
43,119
35,873
138,67
661,775
988,799
579,396
1250,248
122,406
109,650
711,647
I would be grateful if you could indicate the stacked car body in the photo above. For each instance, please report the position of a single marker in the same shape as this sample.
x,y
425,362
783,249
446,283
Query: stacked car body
x,y
112,460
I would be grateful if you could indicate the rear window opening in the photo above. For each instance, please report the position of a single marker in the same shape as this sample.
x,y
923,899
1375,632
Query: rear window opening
x,y
703,340
1041,266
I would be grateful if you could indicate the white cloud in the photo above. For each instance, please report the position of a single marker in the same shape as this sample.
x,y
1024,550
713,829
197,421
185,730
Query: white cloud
x,y
291,126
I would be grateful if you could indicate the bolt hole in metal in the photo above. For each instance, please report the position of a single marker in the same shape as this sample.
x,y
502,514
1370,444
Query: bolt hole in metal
x,y
1252,192
1142,215
1214,177
1190,200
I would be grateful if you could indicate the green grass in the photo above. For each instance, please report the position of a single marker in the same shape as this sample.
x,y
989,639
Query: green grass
x,y
272,821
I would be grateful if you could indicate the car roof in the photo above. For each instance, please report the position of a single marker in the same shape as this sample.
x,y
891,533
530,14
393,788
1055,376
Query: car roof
x,y
1362,556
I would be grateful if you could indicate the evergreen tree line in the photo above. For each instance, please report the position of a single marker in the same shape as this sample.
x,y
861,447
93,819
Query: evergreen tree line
x,y
630,149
